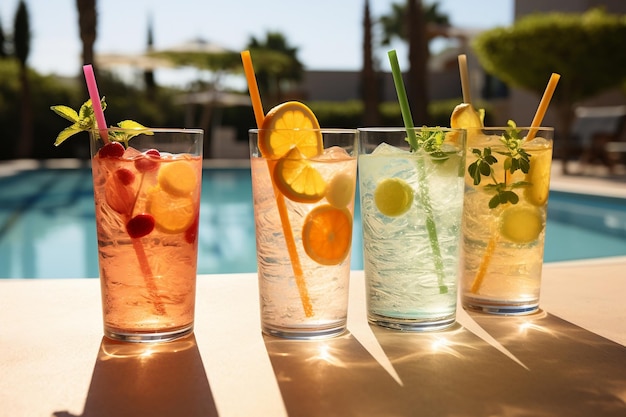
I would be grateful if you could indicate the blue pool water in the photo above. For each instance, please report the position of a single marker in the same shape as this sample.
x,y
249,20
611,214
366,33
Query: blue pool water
x,y
47,226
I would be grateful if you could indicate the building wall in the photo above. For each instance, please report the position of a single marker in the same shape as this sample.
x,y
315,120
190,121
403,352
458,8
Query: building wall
x,y
346,85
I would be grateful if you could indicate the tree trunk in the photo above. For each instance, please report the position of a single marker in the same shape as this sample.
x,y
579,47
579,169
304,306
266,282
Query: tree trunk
x,y
369,78
87,20
417,90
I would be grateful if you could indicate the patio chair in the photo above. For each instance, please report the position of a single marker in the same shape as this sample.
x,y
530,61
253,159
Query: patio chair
x,y
598,133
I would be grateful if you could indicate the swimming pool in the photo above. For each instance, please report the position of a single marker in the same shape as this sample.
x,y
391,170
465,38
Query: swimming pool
x,y
47,225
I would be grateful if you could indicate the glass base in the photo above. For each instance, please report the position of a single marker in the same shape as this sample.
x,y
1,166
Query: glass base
x,y
503,308
304,333
149,336
412,325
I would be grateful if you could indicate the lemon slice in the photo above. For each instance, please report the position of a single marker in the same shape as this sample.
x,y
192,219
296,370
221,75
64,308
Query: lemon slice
x,y
539,178
521,224
393,197
287,125
178,178
297,179
465,117
327,234
172,214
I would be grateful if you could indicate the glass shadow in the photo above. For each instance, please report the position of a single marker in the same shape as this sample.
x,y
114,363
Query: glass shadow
x,y
157,380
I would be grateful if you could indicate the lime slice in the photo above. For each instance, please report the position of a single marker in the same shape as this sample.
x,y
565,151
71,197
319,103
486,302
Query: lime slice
x,y
393,197
521,224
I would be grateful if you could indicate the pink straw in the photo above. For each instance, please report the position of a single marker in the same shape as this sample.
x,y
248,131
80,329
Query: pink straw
x,y
92,87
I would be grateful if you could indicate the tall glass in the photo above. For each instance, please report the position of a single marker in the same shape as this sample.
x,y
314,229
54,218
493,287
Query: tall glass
x,y
506,199
303,209
411,204
147,196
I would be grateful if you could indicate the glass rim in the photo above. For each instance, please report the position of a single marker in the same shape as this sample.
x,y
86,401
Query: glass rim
x,y
490,128
321,130
151,129
416,128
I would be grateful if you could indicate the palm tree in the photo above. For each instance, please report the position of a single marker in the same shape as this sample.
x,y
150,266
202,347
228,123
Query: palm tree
x,y
148,75
369,78
87,20
21,46
3,51
417,24
276,65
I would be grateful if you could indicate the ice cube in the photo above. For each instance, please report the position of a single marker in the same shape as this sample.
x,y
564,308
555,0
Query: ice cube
x,y
386,149
334,153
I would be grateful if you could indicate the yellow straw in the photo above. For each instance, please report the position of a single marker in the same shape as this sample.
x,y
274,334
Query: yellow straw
x,y
536,123
543,105
259,115
465,86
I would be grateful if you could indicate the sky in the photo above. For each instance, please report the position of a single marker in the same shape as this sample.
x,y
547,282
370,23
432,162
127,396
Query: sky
x,y
327,33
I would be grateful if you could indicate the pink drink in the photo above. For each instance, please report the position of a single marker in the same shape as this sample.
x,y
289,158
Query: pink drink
x,y
147,210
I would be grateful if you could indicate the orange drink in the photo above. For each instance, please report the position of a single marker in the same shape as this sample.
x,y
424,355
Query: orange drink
x,y
147,194
303,184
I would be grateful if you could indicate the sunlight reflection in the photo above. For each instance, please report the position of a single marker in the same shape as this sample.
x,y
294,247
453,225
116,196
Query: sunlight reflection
x,y
526,326
324,353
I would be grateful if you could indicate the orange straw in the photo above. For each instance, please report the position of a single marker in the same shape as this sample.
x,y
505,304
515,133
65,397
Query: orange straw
x,y
534,127
465,86
543,106
255,97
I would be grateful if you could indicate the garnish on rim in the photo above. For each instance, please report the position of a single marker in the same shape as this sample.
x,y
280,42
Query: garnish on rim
x,y
516,159
298,122
84,119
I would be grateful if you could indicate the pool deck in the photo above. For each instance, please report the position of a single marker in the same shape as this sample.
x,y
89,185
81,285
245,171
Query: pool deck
x,y
593,180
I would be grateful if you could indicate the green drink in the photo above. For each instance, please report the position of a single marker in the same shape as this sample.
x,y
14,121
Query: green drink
x,y
411,206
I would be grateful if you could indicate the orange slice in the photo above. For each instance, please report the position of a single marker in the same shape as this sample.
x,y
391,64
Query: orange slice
x,y
327,234
178,178
297,179
172,214
287,125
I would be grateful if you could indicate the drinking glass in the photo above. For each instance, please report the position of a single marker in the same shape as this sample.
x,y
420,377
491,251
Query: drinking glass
x,y
303,209
411,205
147,195
507,184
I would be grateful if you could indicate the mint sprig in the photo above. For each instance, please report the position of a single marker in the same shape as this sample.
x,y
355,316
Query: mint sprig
x,y
431,141
85,119
516,159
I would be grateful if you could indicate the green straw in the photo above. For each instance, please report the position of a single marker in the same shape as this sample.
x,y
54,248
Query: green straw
x,y
424,195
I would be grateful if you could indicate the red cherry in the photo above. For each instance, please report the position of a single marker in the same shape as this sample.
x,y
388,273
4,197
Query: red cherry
x,y
125,176
112,150
148,161
140,225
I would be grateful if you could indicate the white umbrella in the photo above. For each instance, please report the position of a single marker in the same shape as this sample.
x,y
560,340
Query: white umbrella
x,y
137,61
